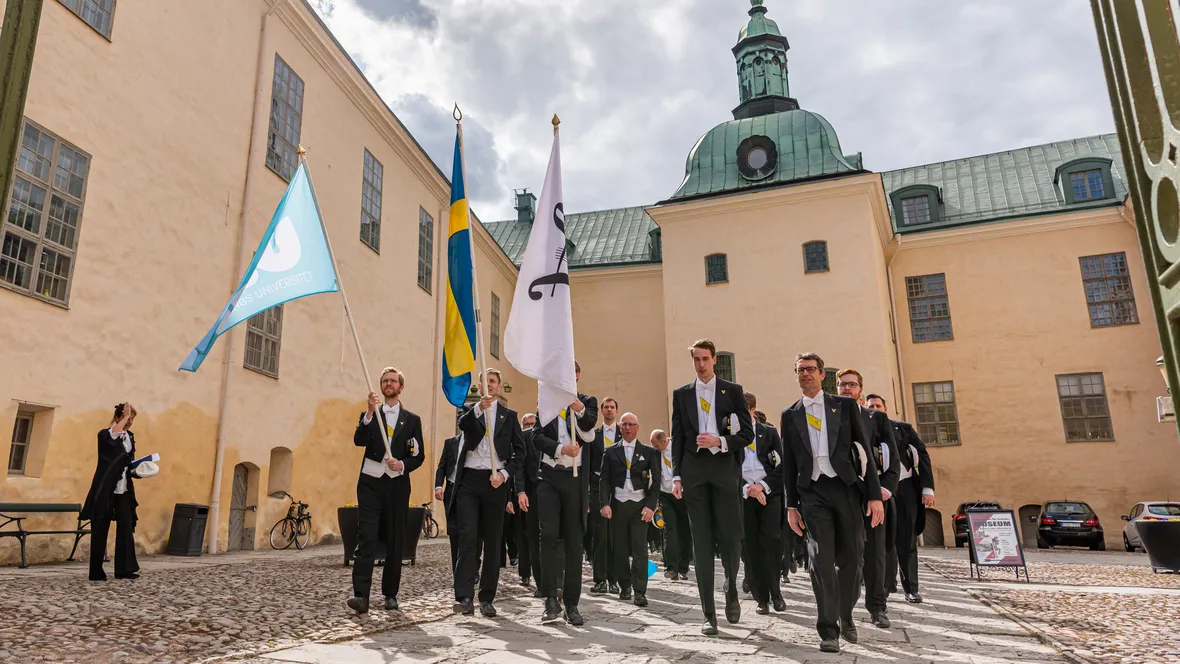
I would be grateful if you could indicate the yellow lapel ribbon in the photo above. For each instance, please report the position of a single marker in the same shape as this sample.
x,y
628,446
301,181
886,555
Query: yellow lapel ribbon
x,y
815,422
705,405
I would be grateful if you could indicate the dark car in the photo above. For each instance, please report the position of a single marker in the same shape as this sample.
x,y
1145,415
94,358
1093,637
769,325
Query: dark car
x,y
961,534
1071,523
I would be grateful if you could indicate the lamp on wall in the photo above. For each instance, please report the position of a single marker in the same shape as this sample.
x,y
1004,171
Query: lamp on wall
x,y
1163,372
1163,404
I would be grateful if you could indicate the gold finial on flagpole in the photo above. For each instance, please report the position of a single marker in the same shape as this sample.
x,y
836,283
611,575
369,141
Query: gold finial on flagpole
x,y
300,150
556,121
457,114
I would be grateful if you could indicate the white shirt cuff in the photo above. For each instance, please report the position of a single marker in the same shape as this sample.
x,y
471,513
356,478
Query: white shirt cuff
x,y
675,478
765,486
504,473
368,417
746,489
927,492
724,445
478,410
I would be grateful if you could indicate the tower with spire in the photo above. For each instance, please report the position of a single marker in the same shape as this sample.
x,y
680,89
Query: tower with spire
x,y
761,54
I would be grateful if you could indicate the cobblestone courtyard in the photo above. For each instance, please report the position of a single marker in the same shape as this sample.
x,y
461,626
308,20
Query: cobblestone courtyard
x,y
287,606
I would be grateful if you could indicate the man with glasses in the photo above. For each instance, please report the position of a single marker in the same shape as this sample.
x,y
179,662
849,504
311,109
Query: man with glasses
x,y
879,542
710,424
628,489
823,489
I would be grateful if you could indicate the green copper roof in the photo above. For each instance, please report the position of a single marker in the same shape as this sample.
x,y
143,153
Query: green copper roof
x,y
759,25
602,238
806,144
1005,185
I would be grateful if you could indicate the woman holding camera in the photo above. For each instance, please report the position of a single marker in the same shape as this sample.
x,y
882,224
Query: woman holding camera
x,y
112,497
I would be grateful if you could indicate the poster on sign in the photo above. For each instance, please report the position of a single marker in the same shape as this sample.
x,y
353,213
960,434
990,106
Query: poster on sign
x,y
995,541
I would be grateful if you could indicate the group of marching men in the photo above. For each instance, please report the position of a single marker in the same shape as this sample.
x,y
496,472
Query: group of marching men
x,y
837,479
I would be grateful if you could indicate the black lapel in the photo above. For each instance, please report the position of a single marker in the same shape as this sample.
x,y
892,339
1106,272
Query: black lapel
x,y
832,415
401,425
799,415
690,394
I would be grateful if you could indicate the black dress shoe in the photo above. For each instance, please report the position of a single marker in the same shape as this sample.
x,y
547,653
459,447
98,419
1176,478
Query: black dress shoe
x,y
537,593
525,583
359,604
465,607
98,578
613,588
670,575
733,608
573,616
391,604
779,604
514,561
913,598
709,627
829,645
625,594
487,609
763,609
133,575
598,588
552,611
880,620
848,631
746,586
640,599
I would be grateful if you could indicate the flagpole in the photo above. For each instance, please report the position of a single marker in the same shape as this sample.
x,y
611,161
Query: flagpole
x,y
574,428
340,287
479,345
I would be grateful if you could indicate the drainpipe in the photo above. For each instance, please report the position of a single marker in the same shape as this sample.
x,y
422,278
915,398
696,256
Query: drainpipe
x,y
227,373
896,330
439,287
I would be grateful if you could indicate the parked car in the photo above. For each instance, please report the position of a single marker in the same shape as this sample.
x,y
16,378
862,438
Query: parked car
x,y
960,518
1069,522
1152,511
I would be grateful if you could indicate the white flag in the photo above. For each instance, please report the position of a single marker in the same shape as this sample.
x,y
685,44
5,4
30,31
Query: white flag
x,y
539,337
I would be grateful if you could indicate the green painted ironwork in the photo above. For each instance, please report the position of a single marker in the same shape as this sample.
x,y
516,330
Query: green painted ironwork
x,y
18,41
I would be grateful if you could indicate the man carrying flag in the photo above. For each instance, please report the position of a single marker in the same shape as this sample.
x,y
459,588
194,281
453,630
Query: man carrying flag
x,y
539,342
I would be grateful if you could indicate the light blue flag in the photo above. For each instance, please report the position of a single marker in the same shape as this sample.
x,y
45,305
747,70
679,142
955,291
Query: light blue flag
x,y
292,261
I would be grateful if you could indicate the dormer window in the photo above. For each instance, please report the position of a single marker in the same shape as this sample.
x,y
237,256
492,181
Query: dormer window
x,y
1084,180
915,210
916,205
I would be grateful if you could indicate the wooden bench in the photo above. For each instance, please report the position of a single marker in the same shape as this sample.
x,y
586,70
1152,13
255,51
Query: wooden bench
x,y
8,510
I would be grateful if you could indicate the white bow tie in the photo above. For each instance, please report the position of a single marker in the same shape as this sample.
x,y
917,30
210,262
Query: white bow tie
x,y
389,409
817,400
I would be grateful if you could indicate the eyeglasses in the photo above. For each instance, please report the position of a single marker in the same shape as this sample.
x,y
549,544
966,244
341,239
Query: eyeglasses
x,y
627,424
849,384
806,370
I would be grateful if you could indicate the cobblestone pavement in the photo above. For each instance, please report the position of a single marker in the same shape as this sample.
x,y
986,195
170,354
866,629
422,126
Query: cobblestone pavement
x,y
949,627
1098,573
183,610
1097,612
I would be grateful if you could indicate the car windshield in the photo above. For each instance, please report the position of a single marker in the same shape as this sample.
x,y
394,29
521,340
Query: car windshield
x,y
1166,509
1068,509
980,506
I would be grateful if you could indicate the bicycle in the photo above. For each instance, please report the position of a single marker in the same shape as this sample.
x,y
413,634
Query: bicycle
x,y
429,525
293,528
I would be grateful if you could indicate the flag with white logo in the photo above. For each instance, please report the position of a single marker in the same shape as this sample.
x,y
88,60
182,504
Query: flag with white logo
x,y
292,261
539,336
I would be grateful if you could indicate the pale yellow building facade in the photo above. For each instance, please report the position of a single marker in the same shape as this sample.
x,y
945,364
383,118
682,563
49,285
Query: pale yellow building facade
x,y
776,243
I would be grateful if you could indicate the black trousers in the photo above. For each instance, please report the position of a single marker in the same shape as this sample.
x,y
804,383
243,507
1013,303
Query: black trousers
x,y
762,544
530,539
677,534
383,506
601,545
508,548
629,539
714,501
479,515
835,539
452,528
123,514
906,541
878,546
559,497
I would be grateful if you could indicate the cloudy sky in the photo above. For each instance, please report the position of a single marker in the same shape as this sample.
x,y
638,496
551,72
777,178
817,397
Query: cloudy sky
x,y
637,82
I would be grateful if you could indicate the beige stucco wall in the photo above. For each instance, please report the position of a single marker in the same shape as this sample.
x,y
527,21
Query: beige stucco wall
x,y
157,258
770,310
1019,316
619,337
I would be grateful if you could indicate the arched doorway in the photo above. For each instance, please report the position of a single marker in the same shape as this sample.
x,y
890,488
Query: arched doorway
x,y
1028,525
932,532
243,510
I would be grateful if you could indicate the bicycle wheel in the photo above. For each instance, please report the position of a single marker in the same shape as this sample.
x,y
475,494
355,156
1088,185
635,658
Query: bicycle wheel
x,y
432,525
302,533
282,534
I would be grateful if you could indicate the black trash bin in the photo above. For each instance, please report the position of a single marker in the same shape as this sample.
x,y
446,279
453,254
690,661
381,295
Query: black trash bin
x,y
188,529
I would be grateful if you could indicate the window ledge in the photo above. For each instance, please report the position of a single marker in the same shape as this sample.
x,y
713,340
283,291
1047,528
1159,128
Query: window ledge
x,y
262,372
21,291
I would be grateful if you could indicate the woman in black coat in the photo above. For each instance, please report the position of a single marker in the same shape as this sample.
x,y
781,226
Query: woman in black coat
x,y
112,497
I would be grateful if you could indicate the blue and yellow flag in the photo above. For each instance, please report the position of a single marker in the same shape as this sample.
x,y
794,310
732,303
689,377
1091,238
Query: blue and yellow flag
x,y
459,330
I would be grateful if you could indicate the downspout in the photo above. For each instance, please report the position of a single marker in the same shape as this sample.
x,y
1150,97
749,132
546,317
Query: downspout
x,y
440,295
227,373
896,329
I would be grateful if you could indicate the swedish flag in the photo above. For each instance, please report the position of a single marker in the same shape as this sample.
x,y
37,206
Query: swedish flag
x,y
459,331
